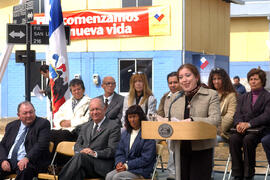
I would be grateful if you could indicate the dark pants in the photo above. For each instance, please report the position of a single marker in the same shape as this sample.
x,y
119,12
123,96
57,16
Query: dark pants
x,y
80,166
28,173
266,145
58,136
244,143
195,164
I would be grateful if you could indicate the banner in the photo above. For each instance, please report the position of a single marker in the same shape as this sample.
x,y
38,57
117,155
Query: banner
x,y
57,54
116,23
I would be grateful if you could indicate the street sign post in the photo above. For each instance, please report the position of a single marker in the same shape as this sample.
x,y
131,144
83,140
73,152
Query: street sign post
x,y
16,33
40,34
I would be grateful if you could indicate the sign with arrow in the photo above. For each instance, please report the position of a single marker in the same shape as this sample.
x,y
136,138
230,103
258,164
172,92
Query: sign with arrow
x,y
29,6
16,33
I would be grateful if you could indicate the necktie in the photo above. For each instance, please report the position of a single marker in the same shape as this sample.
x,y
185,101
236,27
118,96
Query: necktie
x,y
106,103
94,131
16,148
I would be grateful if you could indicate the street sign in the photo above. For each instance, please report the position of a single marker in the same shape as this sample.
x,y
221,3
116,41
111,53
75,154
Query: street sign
x,y
21,56
40,34
23,13
19,14
29,6
16,33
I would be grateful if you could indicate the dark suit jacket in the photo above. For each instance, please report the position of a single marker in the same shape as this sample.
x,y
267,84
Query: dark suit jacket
x,y
140,158
36,142
104,143
115,108
257,115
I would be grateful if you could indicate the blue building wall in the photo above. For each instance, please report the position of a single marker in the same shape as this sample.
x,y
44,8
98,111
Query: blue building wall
x,y
88,63
241,68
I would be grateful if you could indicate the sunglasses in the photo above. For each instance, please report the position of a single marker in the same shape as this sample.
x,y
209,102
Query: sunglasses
x,y
139,72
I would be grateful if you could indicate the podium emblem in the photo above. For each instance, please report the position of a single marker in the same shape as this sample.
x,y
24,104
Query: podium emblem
x,y
165,130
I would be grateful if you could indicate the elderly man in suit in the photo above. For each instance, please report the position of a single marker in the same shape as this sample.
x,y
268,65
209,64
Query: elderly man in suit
x,y
95,146
24,149
113,101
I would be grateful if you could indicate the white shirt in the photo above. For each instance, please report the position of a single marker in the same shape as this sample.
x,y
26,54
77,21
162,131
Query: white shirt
x,y
109,98
21,151
133,136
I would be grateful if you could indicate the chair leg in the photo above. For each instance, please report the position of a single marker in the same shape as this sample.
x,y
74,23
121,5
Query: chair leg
x,y
230,174
161,162
226,168
267,172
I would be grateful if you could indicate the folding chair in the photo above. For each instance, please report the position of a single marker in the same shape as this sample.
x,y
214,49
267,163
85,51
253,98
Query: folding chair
x,y
65,148
159,149
226,165
267,172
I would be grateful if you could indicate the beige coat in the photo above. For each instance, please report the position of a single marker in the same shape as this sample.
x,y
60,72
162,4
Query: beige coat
x,y
227,108
204,107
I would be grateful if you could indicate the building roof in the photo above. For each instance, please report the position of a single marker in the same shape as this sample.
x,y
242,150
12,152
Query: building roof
x,y
251,8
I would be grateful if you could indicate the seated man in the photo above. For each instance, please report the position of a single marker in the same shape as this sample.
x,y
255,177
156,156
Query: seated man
x,y
113,101
95,146
24,149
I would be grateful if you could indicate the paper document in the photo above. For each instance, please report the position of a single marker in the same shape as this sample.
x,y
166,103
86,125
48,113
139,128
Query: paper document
x,y
37,93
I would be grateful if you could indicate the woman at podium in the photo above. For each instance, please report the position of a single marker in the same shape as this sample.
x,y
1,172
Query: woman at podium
x,y
198,103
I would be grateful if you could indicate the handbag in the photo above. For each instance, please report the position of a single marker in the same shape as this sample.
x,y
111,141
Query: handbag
x,y
250,130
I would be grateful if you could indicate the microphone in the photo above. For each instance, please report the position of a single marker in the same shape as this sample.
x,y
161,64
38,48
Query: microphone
x,y
177,97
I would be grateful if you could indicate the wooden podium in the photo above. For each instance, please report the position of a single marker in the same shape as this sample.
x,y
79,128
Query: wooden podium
x,y
178,131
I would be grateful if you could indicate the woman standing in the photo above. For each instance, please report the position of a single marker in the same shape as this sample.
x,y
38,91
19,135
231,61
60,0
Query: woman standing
x,y
220,81
252,112
139,94
135,157
198,103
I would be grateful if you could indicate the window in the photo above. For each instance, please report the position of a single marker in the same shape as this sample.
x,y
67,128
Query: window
x,y
128,66
39,6
136,3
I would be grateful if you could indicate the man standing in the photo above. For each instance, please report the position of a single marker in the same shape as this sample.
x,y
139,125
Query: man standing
x,y
240,89
24,149
163,111
95,146
113,101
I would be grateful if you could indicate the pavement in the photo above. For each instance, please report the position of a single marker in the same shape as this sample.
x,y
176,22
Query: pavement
x,y
217,175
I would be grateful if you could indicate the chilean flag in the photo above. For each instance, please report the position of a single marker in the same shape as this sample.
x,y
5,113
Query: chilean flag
x,y
57,56
204,62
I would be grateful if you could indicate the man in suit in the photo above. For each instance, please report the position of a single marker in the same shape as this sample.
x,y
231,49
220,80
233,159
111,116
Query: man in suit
x,y
113,101
95,146
163,109
24,149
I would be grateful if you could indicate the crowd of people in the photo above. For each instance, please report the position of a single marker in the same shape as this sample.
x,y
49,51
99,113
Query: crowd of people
x,y
107,128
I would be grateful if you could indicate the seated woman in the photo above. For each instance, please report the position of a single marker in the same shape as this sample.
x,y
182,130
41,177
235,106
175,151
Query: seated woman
x,y
253,111
220,81
135,157
140,94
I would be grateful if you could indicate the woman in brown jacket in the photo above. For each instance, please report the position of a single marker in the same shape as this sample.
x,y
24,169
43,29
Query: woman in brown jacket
x,y
220,81
198,103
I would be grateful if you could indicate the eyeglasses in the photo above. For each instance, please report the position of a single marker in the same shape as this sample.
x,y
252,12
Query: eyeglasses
x,y
110,83
139,72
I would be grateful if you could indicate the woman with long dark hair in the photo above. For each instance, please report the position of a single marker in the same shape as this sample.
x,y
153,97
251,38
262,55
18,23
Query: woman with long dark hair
x,y
135,157
220,81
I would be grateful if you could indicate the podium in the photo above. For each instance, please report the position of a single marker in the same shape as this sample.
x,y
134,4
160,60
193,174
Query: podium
x,y
178,131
